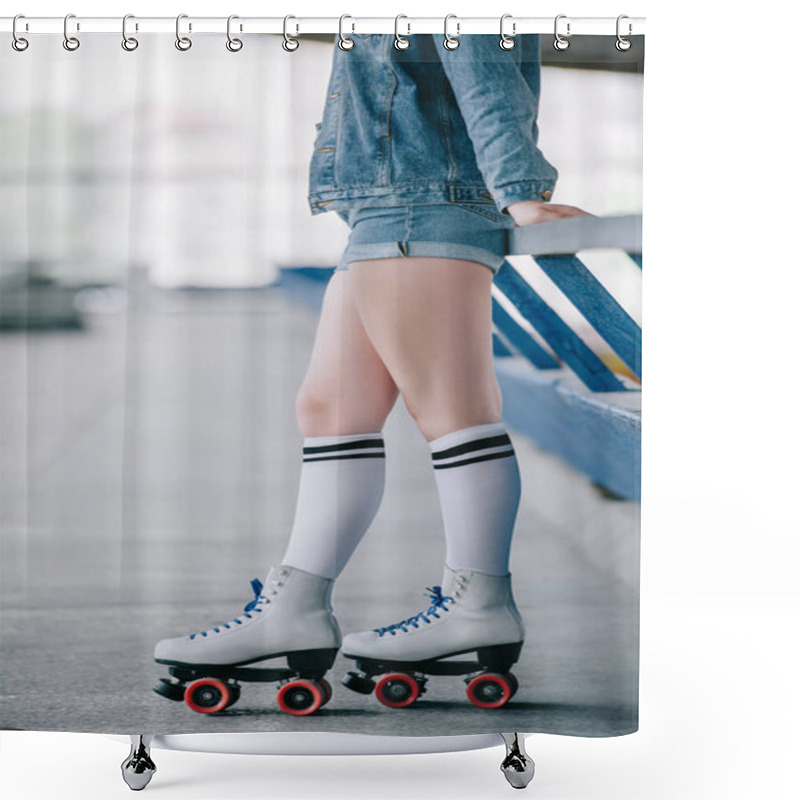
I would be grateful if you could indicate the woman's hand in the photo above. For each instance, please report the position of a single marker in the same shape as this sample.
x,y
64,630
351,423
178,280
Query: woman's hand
x,y
531,212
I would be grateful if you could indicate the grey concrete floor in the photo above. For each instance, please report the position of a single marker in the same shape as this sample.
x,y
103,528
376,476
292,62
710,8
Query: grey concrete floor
x,y
150,468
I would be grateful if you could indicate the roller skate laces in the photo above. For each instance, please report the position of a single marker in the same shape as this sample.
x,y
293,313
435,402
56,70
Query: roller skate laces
x,y
438,603
253,607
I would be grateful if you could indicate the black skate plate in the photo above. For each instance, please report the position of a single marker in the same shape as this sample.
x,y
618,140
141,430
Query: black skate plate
x,y
497,658
310,663
192,673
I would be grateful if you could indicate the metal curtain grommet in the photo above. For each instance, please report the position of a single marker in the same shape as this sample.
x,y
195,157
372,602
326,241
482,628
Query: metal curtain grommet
x,y
234,45
451,42
183,43
290,44
70,42
344,42
400,42
17,42
622,44
507,42
128,42
560,42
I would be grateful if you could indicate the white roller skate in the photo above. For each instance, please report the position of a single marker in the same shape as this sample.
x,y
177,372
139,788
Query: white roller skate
x,y
290,616
470,612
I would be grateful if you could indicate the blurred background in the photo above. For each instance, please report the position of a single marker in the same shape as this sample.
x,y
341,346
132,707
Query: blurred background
x,y
194,166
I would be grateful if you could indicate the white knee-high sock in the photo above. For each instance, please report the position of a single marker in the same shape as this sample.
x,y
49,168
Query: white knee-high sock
x,y
479,490
341,487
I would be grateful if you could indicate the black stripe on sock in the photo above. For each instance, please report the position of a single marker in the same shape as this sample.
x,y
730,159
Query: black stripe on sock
x,y
361,444
469,447
344,457
504,454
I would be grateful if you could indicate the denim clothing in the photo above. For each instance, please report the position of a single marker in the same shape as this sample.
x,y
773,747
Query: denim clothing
x,y
430,125
444,230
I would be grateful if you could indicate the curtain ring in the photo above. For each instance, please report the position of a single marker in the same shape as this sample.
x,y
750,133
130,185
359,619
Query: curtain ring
x,y
344,42
70,42
290,44
451,42
507,42
400,42
183,43
234,45
129,43
623,44
18,43
560,42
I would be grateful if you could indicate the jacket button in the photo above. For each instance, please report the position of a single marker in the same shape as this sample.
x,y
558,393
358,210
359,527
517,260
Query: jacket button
x,y
546,195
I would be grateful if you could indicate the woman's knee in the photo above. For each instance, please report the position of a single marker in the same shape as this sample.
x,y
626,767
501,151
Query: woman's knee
x,y
327,411
313,411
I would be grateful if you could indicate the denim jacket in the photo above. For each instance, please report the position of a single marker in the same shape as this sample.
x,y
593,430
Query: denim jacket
x,y
430,125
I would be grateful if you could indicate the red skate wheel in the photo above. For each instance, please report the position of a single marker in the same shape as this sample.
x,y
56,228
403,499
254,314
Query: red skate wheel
x,y
327,691
207,695
236,693
301,697
512,679
397,690
489,690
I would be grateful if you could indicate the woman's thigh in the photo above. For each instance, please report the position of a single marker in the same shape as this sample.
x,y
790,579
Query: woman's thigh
x,y
346,389
430,321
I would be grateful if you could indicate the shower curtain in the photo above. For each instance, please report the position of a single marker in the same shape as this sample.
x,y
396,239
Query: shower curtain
x,y
162,276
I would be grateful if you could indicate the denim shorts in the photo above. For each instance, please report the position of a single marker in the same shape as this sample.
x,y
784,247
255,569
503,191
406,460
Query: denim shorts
x,y
444,230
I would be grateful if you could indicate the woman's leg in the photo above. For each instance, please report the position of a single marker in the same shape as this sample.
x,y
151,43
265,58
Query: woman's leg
x,y
346,389
341,407
429,320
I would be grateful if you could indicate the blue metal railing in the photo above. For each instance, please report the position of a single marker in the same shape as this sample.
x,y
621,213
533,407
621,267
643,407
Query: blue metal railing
x,y
593,420
553,246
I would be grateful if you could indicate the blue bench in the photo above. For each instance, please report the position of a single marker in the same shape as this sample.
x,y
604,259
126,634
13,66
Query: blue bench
x,y
559,392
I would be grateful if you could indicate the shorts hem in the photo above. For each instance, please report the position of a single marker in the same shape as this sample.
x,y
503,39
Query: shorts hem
x,y
381,250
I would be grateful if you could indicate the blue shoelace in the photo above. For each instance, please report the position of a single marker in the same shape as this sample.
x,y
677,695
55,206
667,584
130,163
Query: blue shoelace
x,y
257,586
438,602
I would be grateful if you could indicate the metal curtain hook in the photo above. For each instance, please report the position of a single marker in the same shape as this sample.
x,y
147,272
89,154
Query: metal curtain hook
x,y
183,43
344,42
451,42
129,43
507,42
234,45
290,44
560,42
70,42
623,44
400,42
18,43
